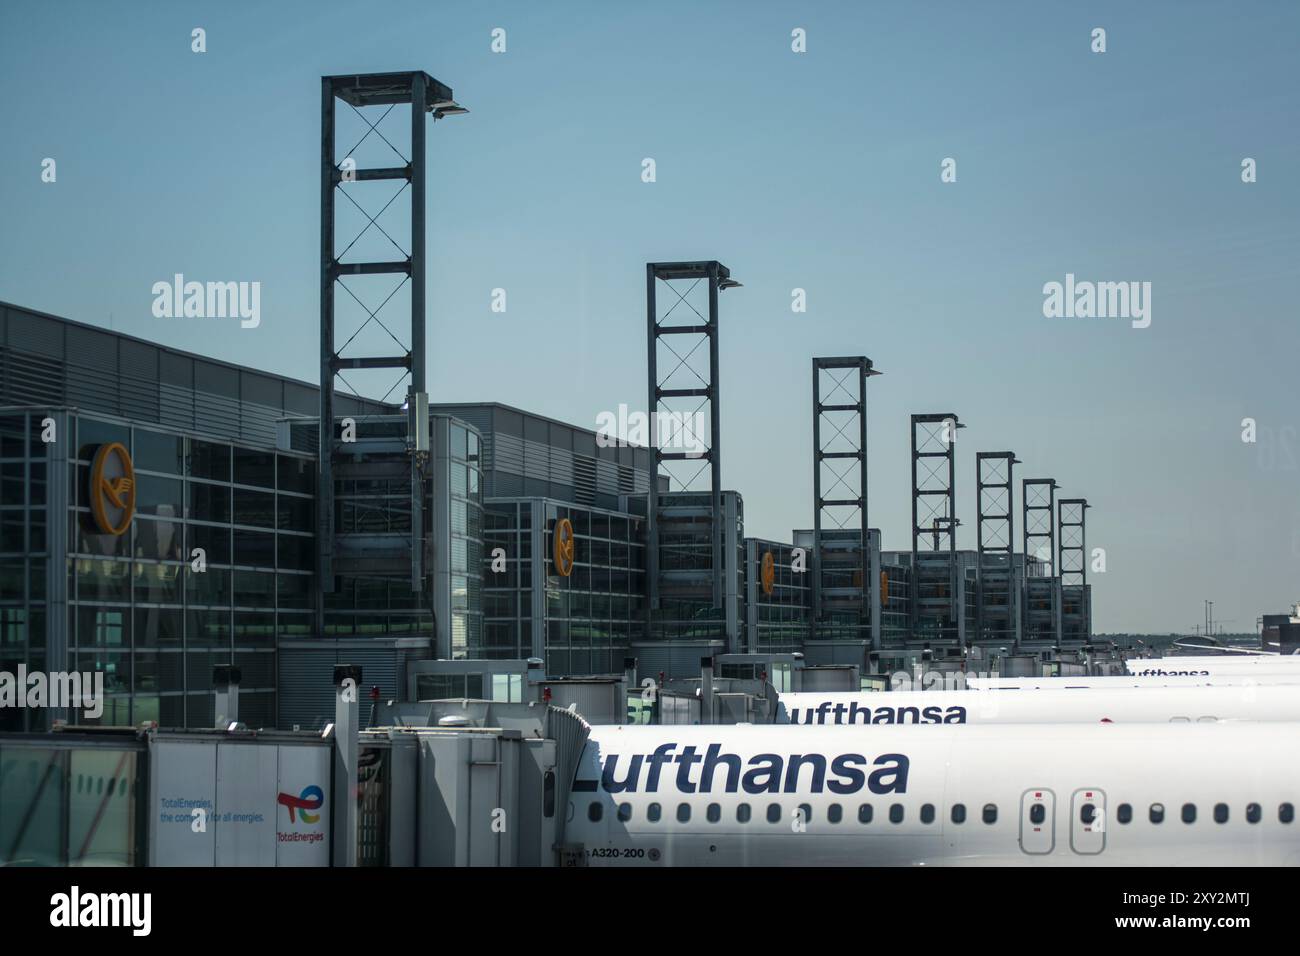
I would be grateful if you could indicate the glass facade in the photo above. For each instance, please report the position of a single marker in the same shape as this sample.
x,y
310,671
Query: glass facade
x,y
780,619
589,617
218,560
372,510
686,608
24,551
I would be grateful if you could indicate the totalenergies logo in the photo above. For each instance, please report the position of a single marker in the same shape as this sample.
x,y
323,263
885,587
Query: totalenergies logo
x,y
312,798
112,489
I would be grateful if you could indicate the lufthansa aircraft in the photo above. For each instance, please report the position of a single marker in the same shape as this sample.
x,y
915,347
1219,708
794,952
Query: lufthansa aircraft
x,y
1014,794
1141,678
1212,666
935,708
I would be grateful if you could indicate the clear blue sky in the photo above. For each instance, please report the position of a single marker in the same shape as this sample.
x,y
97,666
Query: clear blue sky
x,y
818,171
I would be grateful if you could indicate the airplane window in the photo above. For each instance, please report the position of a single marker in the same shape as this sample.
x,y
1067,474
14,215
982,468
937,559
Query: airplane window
x,y
625,812
1157,813
1124,812
805,813
714,813
927,813
652,812
774,813
1189,813
1286,813
1220,813
742,813
864,813
594,811
959,813
895,813
1037,814
683,813
990,813
1087,813
834,813
1254,812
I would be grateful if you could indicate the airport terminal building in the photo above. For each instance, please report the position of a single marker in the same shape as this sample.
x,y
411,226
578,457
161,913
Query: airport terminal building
x,y
158,519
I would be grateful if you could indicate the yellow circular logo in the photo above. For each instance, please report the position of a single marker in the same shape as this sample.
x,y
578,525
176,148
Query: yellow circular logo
x,y
564,547
112,489
768,574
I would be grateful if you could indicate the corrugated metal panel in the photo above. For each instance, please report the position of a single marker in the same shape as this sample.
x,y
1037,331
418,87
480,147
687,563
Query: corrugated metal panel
x,y
93,389
607,478
217,415
138,384
91,348
561,468
35,334
176,406
584,480
31,379
570,733
306,681
304,436
537,460
258,423
507,454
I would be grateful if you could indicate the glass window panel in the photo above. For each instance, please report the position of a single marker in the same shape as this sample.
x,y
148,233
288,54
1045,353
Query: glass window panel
x,y
296,553
157,583
91,434
158,451
254,468
208,460
254,589
294,591
155,626
211,587
255,508
255,629
208,628
209,502
158,540
295,514
296,474
160,496
254,548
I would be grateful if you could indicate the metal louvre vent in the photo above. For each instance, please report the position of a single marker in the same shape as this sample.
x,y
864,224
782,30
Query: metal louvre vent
x,y
30,379
176,406
92,388
218,416
584,479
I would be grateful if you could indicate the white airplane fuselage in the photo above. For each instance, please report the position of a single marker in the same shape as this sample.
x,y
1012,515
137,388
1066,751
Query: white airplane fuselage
x,y
933,708
1012,794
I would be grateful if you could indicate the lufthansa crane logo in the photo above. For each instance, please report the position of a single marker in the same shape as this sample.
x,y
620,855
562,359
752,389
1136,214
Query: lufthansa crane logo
x,y
112,489
768,572
564,547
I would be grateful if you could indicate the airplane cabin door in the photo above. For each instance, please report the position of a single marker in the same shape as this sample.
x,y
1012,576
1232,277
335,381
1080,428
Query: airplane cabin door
x,y
1088,822
1037,822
